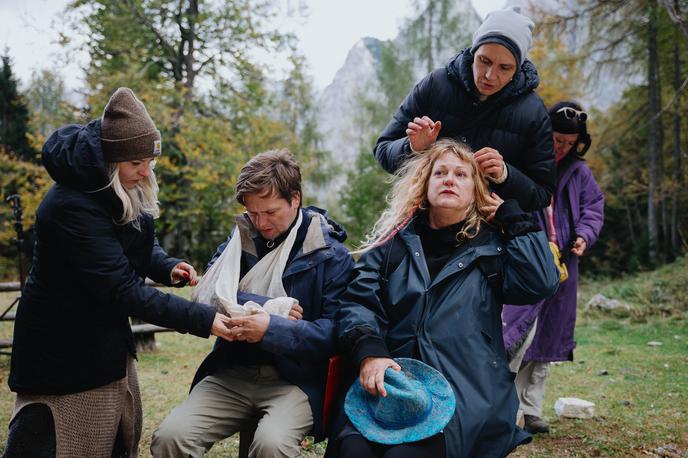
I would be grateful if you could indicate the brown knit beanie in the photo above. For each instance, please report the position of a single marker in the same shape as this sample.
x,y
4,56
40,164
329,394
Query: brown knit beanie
x,y
128,132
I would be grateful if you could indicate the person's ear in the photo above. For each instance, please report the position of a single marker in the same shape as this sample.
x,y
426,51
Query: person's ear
x,y
584,142
296,200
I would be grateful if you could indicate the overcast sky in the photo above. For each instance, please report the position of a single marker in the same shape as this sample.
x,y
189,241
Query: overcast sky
x,y
326,35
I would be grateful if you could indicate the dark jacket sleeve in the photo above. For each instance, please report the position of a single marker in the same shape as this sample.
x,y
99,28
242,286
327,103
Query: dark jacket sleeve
x,y
533,184
361,320
513,220
529,272
161,265
591,200
392,148
95,255
313,340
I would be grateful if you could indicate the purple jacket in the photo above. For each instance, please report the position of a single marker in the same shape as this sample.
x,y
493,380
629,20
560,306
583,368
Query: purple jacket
x,y
579,211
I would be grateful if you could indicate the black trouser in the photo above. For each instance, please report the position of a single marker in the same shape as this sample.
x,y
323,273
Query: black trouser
x,y
357,446
32,435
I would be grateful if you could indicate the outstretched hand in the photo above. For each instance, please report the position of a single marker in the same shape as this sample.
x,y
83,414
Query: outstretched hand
x,y
184,272
372,374
423,132
221,326
251,328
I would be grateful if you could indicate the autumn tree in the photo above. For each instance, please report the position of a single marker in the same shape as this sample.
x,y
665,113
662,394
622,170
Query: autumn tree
x,y
194,65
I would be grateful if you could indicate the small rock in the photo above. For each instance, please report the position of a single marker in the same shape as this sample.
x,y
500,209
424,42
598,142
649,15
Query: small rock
x,y
666,366
603,372
654,343
605,304
574,408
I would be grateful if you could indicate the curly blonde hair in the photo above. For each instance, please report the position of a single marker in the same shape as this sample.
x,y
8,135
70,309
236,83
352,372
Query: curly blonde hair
x,y
410,189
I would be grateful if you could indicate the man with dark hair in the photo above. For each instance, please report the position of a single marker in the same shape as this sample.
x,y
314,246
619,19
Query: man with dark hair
x,y
276,367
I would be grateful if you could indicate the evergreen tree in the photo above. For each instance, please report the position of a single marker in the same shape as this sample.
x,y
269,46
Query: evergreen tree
x,y
14,116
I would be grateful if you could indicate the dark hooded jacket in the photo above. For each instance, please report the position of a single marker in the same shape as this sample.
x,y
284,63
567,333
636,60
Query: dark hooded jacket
x,y
513,121
316,274
72,329
452,321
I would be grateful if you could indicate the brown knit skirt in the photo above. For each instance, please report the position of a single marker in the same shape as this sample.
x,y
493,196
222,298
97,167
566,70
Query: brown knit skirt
x,y
86,423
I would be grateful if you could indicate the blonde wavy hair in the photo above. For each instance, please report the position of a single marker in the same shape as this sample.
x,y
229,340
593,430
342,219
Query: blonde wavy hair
x,y
137,201
410,189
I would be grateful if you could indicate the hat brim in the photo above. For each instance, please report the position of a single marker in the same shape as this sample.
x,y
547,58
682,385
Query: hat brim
x,y
443,407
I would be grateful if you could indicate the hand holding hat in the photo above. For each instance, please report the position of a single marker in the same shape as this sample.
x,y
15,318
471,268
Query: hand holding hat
x,y
419,404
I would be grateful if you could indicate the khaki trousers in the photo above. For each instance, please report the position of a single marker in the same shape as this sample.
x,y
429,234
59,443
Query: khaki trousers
x,y
530,387
221,403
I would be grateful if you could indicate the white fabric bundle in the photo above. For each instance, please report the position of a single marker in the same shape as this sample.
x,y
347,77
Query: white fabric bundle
x,y
219,285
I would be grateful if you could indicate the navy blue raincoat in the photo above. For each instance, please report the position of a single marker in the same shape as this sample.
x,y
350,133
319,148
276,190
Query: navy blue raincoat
x,y
453,323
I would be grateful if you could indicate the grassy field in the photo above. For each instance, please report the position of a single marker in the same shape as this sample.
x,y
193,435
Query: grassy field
x,y
641,402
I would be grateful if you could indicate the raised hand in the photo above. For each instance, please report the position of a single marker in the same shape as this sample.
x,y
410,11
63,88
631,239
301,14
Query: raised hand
x,y
423,132
490,162
493,203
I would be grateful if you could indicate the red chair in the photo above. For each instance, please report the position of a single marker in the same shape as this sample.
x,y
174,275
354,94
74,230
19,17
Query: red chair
x,y
332,387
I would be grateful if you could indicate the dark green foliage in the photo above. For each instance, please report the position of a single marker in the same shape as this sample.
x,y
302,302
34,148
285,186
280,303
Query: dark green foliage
x,y
14,117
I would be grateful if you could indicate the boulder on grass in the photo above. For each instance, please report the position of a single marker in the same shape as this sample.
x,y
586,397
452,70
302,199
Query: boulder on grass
x,y
574,408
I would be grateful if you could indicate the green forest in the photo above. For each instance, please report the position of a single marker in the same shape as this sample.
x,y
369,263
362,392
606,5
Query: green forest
x,y
194,66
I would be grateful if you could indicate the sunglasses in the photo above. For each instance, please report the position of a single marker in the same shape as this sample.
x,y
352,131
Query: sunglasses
x,y
570,113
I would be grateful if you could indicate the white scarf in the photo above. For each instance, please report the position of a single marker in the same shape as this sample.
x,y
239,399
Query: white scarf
x,y
220,284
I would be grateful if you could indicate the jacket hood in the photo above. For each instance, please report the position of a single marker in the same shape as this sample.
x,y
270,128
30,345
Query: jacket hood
x,y
73,157
336,231
526,79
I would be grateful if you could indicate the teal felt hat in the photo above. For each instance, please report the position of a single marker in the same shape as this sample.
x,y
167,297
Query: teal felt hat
x,y
419,404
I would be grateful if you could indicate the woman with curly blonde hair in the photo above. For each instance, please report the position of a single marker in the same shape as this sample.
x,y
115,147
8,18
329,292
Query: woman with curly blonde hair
x,y
430,285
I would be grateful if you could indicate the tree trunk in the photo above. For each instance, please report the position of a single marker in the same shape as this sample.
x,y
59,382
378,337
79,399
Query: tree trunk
x,y
653,135
676,182
663,237
145,341
431,8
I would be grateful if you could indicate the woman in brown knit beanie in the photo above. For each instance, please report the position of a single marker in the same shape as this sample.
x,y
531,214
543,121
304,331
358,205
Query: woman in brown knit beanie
x,y
73,356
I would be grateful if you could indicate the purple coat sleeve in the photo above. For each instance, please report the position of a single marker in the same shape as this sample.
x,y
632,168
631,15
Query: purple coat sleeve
x,y
591,205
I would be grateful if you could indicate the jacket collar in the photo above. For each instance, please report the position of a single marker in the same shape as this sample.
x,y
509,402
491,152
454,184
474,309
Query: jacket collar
x,y
486,243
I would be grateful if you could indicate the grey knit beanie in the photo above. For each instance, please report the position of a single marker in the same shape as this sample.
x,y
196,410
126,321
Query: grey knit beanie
x,y
128,132
509,28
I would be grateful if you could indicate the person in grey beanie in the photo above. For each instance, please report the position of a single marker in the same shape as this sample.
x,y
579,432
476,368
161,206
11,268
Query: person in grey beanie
x,y
483,97
73,350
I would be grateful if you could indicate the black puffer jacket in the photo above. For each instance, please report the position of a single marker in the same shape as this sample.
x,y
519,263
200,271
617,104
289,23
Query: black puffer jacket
x,y
72,328
514,122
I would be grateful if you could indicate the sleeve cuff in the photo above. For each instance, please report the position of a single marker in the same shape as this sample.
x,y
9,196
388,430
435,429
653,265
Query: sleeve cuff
x,y
369,346
515,221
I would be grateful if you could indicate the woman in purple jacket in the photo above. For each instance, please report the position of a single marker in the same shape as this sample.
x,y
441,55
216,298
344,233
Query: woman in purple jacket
x,y
541,333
